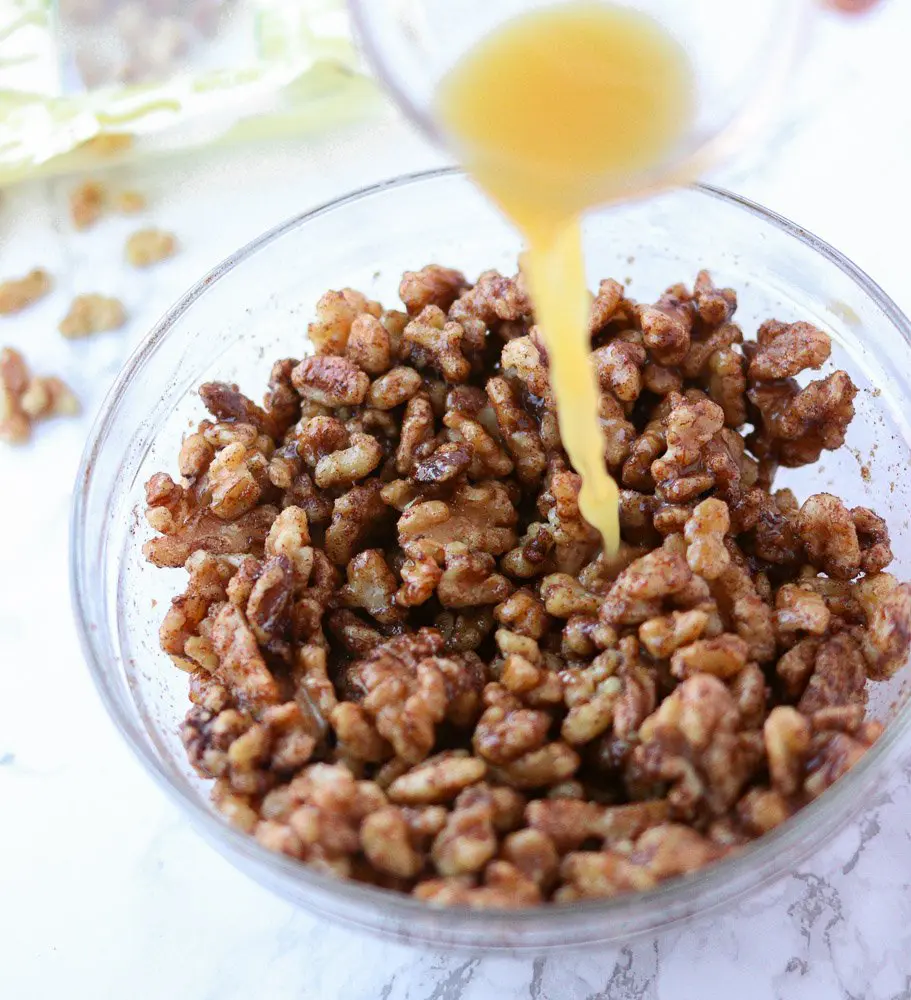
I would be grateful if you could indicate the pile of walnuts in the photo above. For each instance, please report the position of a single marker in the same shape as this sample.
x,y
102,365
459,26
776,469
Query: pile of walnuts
x,y
410,662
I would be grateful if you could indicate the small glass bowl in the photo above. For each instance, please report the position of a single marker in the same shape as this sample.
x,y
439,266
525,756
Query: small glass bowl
x,y
254,308
411,45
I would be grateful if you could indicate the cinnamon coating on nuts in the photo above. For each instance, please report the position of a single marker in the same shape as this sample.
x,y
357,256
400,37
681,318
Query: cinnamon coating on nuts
x,y
410,664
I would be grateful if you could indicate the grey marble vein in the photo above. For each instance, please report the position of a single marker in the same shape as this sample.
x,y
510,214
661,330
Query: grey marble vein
x,y
535,987
628,981
798,965
456,982
869,829
819,898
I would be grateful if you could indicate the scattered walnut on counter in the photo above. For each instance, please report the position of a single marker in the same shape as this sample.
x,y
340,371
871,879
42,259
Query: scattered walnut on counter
x,y
92,198
411,665
17,294
87,203
25,398
149,246
128,202
90,314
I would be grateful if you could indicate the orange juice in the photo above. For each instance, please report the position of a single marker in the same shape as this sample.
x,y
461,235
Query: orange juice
x,y
556,111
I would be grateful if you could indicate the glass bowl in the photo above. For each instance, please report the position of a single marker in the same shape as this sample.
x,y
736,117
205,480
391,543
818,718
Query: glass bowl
x,y
412,44
254,308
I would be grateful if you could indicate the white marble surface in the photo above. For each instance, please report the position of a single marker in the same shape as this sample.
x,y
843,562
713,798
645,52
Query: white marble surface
x,y
105,891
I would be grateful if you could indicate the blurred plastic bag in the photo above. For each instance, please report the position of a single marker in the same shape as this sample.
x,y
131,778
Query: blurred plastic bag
x,y
86,80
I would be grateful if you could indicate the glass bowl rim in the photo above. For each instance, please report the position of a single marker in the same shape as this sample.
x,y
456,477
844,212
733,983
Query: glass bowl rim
x,y
720,879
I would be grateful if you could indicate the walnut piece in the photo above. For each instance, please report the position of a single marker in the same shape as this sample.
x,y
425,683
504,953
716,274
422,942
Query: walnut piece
x,y
90,314
25,398
17,294
150,246
431,286
330,381
128,201
786,349
336,315
87,203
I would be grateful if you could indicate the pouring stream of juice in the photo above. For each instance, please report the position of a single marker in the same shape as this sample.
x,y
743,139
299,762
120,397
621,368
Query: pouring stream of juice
x,y
556,111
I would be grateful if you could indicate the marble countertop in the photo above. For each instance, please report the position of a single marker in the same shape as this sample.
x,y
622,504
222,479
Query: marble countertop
x,y
106,891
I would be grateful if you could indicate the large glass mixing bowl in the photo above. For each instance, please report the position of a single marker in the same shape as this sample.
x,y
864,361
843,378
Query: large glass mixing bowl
x,y
254,308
